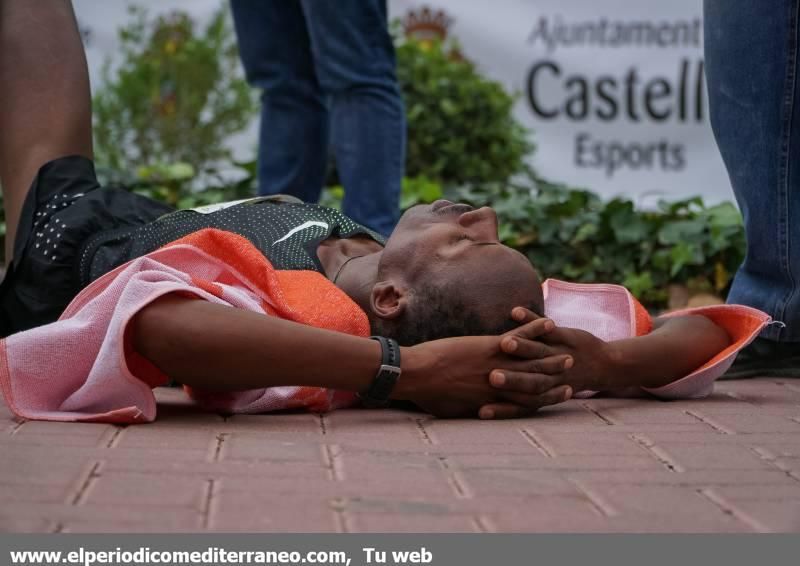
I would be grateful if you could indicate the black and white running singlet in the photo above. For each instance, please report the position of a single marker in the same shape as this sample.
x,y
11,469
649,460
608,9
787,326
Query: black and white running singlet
x,y
286,232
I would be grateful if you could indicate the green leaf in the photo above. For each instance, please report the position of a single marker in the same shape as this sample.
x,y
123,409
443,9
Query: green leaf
x,y
638,283
724,215
626,224
685,205
585,232
179,171
683,254
681,231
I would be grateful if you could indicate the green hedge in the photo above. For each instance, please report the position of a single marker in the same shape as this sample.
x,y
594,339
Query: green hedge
x,y
460,125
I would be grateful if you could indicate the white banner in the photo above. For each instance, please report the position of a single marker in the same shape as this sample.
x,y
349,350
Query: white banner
x,y
613,90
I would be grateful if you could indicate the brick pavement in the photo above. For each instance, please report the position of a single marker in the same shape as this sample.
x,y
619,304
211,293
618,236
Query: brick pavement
x,y
729,463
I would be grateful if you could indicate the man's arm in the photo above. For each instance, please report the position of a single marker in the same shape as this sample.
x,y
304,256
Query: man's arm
x,y
219,348
676,347
45,103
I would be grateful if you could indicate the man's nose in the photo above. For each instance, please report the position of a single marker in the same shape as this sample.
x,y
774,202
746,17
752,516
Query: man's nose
x,y
482,221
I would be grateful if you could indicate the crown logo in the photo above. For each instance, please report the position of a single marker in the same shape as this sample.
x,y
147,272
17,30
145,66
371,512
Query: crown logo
x,y
426,25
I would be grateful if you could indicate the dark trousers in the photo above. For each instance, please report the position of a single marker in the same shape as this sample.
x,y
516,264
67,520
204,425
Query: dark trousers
x,y
327,72
751,56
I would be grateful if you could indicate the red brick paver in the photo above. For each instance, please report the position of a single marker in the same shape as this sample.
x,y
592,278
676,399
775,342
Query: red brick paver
x,y
729,463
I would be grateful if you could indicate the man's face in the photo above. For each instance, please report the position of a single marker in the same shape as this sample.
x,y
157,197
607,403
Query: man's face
x,y
447,242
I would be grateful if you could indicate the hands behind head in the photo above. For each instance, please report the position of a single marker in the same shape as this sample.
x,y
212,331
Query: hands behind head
x,y
586,362
506,376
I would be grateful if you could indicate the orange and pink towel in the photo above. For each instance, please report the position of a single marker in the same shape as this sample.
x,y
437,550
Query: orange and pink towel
x,y
83,368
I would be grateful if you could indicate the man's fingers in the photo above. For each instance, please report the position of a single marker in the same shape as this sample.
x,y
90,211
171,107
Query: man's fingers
x,y
523,405
504,411
525,382
556,337
551,397
550,365
526,348
523,315
533,329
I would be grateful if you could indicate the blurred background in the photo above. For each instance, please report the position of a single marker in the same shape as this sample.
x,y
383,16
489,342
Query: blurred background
x,y
584,124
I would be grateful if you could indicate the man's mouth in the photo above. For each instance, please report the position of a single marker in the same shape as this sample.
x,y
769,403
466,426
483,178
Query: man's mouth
x,y
446,207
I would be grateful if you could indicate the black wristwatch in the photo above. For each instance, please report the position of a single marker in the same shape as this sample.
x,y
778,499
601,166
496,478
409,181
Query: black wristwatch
x,y
377,395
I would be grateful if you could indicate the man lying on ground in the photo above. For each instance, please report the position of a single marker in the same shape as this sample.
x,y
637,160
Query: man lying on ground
x,y
143,293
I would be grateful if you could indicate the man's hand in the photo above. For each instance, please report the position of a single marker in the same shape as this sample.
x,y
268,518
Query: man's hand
x,y
673,349
590,361
449,378
586,361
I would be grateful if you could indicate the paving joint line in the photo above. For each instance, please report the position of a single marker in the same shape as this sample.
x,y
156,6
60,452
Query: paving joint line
x,y
116,435
323,425
83,489
600,505
331,458
772,460
607,420
208,501
721,429
731,510
537,442
340,517
219,440
740,397
647,444
16,427
456,483
459,487
482,524
426,436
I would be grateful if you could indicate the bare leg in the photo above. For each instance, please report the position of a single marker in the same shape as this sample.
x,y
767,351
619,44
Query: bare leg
x,y
45,102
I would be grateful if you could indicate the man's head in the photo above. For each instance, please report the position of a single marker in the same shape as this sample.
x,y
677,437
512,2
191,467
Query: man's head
x,y
445,273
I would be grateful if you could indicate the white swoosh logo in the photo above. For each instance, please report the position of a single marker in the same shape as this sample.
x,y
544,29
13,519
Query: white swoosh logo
x,y
303,226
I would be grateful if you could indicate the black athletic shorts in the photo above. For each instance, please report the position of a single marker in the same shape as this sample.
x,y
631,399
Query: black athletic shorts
x,y
64,208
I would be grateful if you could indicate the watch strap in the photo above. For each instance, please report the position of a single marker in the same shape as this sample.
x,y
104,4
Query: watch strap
x,y
379,391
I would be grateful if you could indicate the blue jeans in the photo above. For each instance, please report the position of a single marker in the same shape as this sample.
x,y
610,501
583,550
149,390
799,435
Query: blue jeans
x,y
327,71
751,57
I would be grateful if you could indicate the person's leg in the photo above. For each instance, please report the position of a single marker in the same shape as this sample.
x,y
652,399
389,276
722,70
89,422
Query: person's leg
x,y
45,103
751,58
355,63
293,144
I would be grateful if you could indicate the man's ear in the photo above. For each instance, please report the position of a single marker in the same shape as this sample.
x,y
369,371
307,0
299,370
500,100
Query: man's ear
x,y
387,300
